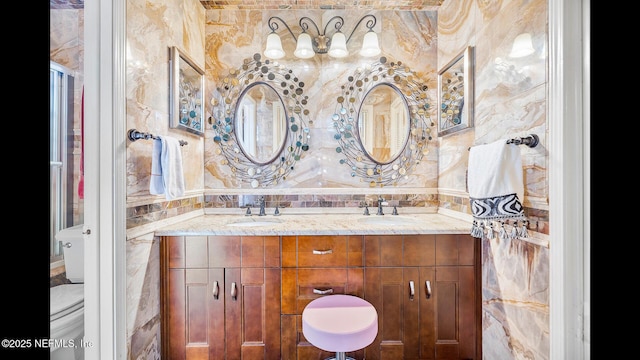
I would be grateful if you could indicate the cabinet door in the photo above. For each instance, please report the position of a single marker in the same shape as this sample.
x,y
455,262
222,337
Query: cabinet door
x,y
455,313
251,306
231,314
245,318
184,284
186,326
253,318
405,313
457,290
221,312
425,289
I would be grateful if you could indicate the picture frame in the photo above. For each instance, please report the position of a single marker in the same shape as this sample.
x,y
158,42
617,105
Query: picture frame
x,y
455,93
186,110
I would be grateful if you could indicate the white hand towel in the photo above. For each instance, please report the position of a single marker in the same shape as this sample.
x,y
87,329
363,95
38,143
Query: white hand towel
x,y
156,183
171,162
496,185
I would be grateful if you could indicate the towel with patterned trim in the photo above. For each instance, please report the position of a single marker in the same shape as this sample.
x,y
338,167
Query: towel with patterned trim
x,y
496,186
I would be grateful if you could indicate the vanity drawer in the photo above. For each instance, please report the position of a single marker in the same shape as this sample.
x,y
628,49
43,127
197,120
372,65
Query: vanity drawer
x,y
322,251
301,286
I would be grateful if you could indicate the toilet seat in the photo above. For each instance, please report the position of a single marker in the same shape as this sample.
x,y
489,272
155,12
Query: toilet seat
x,y
66,311
65,299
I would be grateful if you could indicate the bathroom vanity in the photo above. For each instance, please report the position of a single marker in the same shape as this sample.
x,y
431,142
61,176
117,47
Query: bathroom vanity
x,y
236,290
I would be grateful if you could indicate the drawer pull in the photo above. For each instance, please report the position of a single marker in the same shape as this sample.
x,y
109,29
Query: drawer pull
x,y
234,291
322,252
323,292
412,290
427,287
216,290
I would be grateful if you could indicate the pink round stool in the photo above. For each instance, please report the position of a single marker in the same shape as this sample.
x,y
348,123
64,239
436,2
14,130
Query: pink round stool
x,y
340,323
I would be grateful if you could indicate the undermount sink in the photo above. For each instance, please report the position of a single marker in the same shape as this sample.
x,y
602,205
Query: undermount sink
x,y
251,221
388,220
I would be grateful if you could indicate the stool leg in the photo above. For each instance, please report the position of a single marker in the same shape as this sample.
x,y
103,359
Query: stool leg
x,y
340,356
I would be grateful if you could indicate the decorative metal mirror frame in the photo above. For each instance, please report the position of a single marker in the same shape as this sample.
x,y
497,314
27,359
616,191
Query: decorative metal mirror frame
x,y
345,122
224,103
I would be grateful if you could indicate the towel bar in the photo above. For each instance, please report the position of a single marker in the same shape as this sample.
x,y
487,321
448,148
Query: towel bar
x,y
531,141
134,135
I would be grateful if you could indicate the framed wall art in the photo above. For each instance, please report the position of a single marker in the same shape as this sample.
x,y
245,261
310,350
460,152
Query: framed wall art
x,y
455,94
187,93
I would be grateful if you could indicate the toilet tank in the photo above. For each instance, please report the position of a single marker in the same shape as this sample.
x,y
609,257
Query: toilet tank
x,y
72,243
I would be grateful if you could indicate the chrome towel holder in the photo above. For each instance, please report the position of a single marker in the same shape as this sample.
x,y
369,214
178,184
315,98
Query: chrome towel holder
x,y
531,140
134,135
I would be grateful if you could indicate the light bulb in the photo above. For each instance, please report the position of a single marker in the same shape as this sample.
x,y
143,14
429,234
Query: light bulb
x,y
370,45
338,48
304,49
274,47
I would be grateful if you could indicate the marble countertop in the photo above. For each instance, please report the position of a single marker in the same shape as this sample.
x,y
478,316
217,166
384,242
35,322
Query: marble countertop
x,y
317,224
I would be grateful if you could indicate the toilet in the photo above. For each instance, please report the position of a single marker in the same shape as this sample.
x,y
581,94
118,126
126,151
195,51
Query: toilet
x,y
66,302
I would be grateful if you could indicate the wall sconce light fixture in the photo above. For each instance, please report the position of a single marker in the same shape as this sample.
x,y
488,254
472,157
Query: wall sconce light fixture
x,y
522,46
307,47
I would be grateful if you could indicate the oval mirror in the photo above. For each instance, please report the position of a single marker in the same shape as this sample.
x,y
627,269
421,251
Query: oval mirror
x,y
383,123
261,125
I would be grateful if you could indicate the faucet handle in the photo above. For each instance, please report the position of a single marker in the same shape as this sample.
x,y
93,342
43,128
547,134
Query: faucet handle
x,y
366,210
248,213
276,212
395,210
262,205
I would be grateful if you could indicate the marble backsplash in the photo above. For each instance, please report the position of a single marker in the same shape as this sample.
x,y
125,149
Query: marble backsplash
x,y
148,213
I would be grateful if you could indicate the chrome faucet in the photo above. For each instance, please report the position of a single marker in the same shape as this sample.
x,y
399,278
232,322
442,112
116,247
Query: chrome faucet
x,y
262,212
380,203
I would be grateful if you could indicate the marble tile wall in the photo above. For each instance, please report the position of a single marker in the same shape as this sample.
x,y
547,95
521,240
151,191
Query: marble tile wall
x,y
143,298
152,28
230,36
510,101
234,35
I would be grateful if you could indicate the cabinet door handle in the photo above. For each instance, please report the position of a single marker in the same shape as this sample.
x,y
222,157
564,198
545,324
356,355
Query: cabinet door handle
x,y
412,290
234,291
323,292
216,290
322,252
427,288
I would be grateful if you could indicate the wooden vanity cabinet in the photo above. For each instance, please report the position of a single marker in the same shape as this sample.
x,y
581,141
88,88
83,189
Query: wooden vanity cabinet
x,y
220,297
426,291
312,267
242,297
